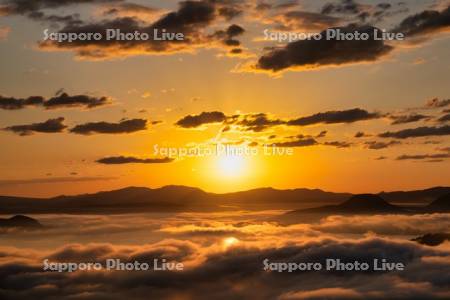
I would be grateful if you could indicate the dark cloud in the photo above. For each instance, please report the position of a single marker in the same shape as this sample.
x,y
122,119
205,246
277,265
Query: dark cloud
x,y
365,13
131,8
235,51
258,122
117,160
35,9
126,126
417,132
229,12
231,274
10,103
311,54
191,19
26,6
376,145
255,122
436,103
299,142
49,126
403,119
333,117
342,7
338,144
52,180
439,156
228,36
72,20
62,100
425,23
444,118
304,20
192,121
381,158
322,134
360,134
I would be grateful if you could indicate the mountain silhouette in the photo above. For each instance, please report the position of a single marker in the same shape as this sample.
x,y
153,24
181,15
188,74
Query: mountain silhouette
x,y
367,203
416,196
169,199
357,204
175,198
441,204
20,221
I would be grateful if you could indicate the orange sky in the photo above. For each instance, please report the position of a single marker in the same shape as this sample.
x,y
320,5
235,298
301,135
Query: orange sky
x,y
169,85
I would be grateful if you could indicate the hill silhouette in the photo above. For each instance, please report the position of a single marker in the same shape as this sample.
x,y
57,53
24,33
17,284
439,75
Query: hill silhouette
x,y
20,221
175,198
169,199
367,203
441,204
357,204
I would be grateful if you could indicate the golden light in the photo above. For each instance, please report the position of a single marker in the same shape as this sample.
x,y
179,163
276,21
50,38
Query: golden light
x,y
230,241
231,165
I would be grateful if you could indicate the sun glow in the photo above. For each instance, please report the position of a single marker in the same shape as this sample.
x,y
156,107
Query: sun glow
x,y
231,165
230,241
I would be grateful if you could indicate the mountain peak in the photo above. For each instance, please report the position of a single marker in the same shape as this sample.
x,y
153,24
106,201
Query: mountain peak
x,y
20,221
369,202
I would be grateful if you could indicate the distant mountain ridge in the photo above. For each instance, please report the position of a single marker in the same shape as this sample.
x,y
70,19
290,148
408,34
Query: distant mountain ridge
x,y
182,198
364,204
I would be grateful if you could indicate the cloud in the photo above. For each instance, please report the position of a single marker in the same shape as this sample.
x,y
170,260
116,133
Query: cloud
x,y
417,132
439,156
322,134
24,6
117,160
236,272
191,19
436,103
49,126
376,145
299,142
62,100
360,134
381,158
324,293
11,182
37,10
444,118
192,121
313,54
403,119
131,10
126,126
258,122
342,7
384,224
333,117
254,122
10,103
228,36
338,144
425,23
302,20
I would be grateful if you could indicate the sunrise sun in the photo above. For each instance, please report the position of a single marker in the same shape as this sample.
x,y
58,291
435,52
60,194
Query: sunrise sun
x,y
231,165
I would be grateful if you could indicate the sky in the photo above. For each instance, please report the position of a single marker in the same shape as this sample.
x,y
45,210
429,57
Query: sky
x,y
358,117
